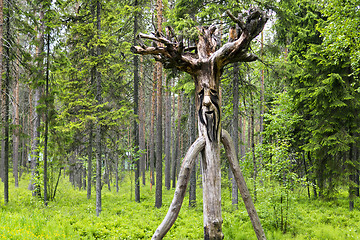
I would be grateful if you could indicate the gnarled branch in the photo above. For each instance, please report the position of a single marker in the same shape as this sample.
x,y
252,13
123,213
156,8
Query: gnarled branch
x,y
173,54
238,50
184,176
235,168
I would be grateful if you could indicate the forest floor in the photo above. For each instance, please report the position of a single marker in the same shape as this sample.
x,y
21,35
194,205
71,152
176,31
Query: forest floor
x,y
72,216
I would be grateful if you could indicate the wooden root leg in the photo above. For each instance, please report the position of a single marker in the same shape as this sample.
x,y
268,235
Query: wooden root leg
x,y
235,168
184,176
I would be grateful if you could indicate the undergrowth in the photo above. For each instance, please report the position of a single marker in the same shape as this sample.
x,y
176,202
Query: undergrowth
x,y
72,216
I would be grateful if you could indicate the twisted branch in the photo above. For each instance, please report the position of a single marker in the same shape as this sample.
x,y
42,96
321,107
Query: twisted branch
x,y
184,175
245,194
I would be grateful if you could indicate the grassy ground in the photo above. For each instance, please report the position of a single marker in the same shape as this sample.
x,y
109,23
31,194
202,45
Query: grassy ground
x,y
72,216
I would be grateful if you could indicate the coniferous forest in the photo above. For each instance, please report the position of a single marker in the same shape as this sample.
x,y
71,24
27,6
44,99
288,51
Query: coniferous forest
x,y
176,119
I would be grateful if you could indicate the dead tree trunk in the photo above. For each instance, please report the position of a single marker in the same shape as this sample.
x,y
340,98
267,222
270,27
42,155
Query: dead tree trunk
x,y
206,66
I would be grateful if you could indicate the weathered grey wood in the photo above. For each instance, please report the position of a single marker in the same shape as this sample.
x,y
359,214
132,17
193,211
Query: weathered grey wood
x,y
206,66
180,191
245,194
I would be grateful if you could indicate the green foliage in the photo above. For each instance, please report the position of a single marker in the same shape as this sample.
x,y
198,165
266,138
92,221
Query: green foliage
x,y
72,216
322,83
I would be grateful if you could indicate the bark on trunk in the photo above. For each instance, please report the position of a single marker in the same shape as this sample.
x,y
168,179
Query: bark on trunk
x,y
98,126
136,110
167,136
36,115
46,122
252,139
117,173
152,128
6,92
174,140
1,71
262,98
158,198
89,160
235,121
192,189
142,126
16,135
208,103
177,143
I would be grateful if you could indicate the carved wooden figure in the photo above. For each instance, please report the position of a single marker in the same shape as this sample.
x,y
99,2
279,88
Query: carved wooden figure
x,y
206,65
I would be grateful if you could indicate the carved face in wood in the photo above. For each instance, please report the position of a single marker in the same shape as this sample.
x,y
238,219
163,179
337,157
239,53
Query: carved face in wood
x,y
209,112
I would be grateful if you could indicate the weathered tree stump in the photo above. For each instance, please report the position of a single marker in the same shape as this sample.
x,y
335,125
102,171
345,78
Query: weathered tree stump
x,y
206,65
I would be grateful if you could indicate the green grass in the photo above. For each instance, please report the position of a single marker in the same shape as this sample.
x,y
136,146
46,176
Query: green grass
x,y
72,216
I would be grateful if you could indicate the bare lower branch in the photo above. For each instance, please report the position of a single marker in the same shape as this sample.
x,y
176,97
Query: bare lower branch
x,y
235,168
148,50
184,176
157,39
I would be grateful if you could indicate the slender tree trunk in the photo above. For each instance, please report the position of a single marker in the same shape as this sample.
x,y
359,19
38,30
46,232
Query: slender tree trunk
x,y
174,140
234,131
23,156
306,175
36,116
357,182
313,180
177,142
262,99
91,129
192,189
30,127
243,138
1,71
84,176
352,190
158,199
136,108
252,139
356,174
46,120
98,126
16,135
108,174
6,91
89,160
152,128
142,125
167,136
117,172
